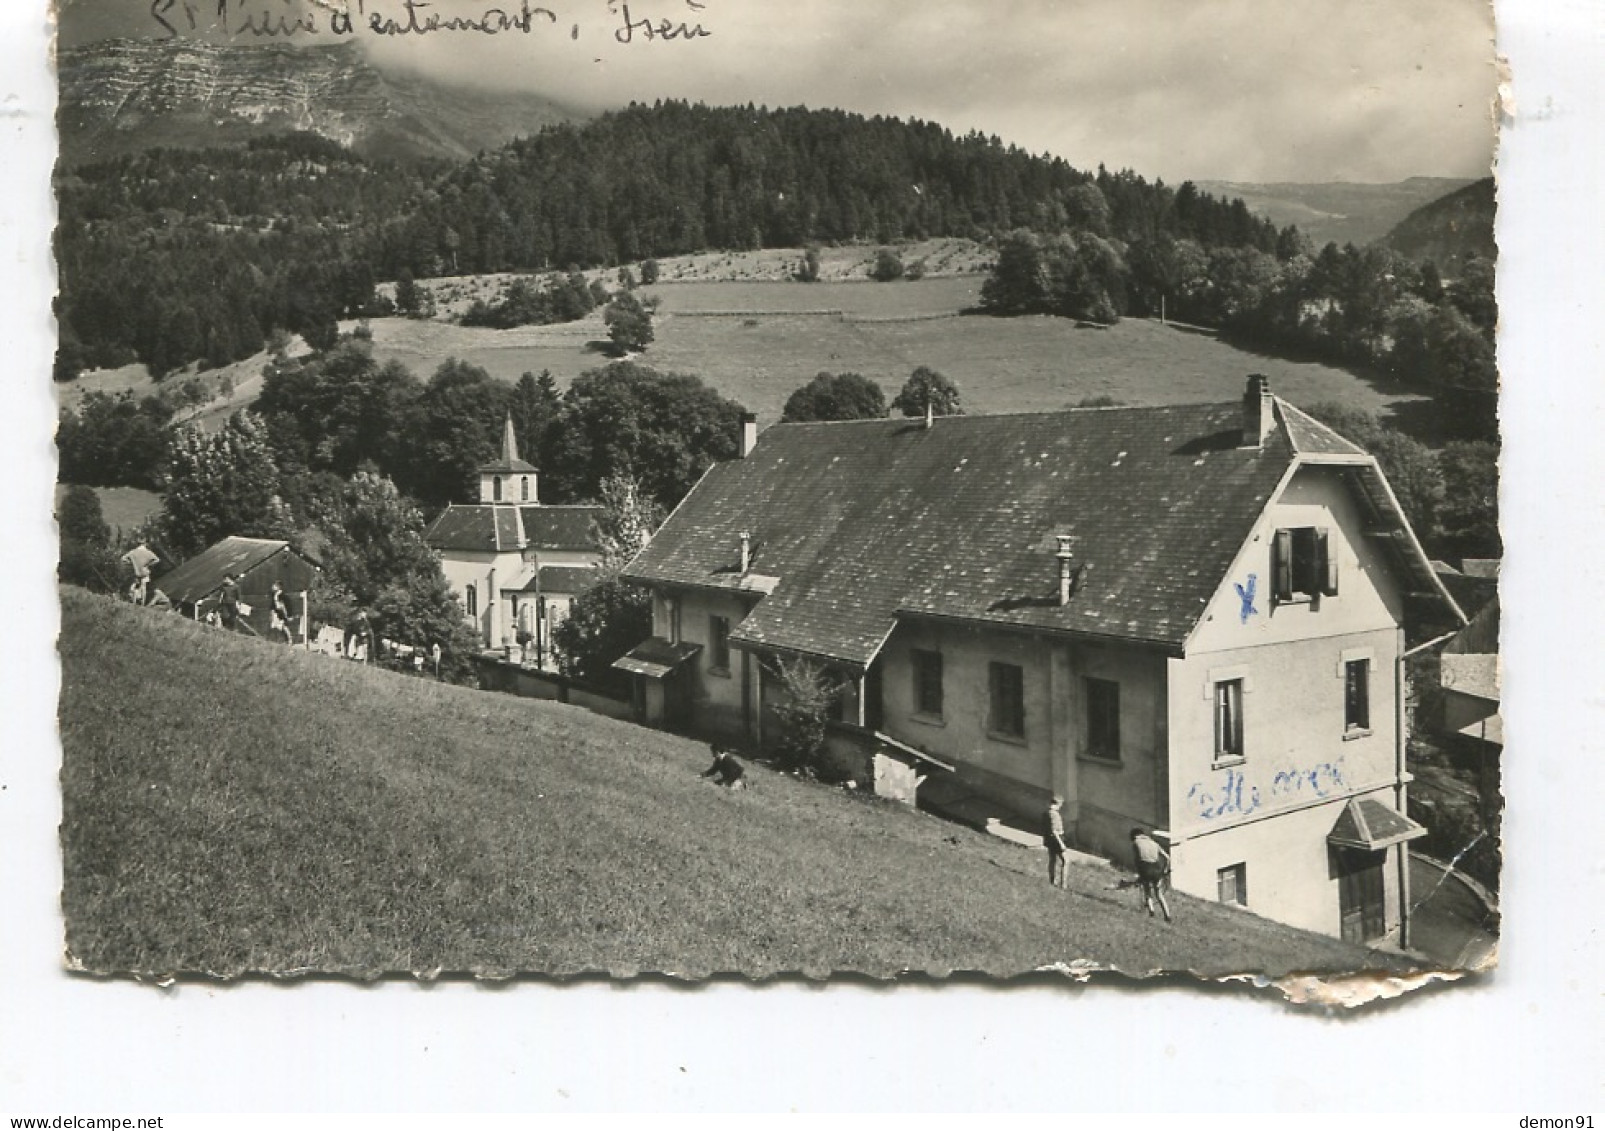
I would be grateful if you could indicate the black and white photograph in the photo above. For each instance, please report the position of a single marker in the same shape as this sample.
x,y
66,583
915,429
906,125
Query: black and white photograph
x,y
834,489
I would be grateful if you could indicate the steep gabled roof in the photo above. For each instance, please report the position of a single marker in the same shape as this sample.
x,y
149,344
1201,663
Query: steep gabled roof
x,y
863,521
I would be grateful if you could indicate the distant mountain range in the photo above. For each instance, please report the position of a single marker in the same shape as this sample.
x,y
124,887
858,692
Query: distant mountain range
x,y
1339,212
122,96
1451,230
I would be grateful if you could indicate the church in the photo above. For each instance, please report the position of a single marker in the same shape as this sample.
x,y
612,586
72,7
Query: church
x,y
516,564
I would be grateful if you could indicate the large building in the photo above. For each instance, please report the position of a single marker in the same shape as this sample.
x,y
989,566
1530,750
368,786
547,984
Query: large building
x,y
1184,618
516,564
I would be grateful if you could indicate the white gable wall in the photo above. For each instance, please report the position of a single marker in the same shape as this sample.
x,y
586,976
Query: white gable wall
x,y
1271,809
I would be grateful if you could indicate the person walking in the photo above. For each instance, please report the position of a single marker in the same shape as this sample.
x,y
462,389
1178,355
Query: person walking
x,y
1054,840
279,606
1153,866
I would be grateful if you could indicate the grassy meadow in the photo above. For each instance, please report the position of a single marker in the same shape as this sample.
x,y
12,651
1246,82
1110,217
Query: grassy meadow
x,y
758,340
123,508
234,806
734,319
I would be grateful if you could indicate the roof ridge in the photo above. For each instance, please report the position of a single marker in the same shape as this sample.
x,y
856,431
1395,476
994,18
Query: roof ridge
x,y
1041,412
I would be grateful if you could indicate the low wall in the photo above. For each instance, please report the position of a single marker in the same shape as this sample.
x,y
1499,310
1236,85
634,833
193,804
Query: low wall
x,y
532,683
854,755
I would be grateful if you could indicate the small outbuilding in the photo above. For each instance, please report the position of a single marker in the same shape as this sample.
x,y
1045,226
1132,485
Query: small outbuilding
x,y
255,564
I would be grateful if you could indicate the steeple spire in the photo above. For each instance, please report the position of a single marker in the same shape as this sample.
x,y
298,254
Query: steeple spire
x,y
509,443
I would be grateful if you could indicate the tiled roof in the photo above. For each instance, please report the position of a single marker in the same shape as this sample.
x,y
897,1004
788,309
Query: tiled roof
x,y
1312,438
561,528
477,527
863,520
570,580
505,528
1368,824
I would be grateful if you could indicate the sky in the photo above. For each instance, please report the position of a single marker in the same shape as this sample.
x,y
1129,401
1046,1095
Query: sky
x,y
1245,90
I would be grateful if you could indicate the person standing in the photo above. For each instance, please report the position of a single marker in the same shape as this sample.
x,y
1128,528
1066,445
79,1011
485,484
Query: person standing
x,y
1054,840
1153,865
228,601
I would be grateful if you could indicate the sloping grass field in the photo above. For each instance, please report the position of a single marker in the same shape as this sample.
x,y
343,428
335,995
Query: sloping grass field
x,y
233,806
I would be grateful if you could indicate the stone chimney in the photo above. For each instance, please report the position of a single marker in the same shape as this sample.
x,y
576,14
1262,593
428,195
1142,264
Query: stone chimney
x,y
749,435
1066,576
1259,415
746,553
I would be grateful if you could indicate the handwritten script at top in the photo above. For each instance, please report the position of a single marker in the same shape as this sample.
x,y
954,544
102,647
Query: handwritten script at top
x,y
288,19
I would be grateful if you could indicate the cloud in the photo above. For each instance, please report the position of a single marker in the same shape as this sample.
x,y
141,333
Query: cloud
x,y
1225,89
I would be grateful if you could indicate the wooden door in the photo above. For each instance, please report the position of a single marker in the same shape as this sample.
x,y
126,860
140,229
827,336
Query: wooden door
x,y
1360,895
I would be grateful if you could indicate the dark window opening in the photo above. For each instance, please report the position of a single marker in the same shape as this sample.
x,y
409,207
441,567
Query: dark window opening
x,y
927,683
1228,720
1357,695
1103,719
1008,700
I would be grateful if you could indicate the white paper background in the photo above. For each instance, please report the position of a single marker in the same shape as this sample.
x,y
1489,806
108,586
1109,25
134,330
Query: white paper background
x,y
1531,1038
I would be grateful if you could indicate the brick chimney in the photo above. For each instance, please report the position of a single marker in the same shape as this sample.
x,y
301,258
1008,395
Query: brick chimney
x,y
1259,415
749,433
746,553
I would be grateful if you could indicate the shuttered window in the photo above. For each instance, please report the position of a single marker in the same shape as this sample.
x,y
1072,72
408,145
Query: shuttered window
x,y
1303,566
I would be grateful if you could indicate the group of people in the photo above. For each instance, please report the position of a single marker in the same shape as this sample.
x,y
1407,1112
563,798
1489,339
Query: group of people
x,y
1153,862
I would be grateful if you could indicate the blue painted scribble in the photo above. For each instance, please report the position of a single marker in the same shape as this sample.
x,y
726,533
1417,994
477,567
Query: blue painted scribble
x,y
1236,795
1246,596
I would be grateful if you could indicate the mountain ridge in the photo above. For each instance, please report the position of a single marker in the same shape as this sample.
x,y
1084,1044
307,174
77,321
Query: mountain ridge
x,y
122,96
1339,211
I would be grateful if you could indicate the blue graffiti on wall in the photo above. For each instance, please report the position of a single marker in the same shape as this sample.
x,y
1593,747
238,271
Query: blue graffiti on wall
x,y
1246,596
1235,795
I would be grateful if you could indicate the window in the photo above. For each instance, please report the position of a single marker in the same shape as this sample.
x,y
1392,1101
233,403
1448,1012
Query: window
x,y
1357,695
719,644
671,615
1229,720
496,489
1103,719
1008,700
1302,564
1232,884
927,683
523,488
471,600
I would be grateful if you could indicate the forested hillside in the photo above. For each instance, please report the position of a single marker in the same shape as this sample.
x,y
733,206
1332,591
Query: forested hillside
x,y
170,256
1452,231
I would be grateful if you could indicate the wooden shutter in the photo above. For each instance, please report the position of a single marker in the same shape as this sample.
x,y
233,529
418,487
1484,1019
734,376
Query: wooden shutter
x,y
1326,567
1282,566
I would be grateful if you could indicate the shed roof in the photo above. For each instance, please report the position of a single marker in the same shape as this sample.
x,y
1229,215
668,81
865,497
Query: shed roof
x,y
866,521
203,575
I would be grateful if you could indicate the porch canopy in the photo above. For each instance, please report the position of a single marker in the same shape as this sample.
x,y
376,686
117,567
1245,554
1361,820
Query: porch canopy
x,y
655,657
1371,826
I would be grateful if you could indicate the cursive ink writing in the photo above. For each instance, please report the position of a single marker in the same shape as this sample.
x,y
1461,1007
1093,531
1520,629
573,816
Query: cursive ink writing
x,y
1235,794
265,19
493,20
648,29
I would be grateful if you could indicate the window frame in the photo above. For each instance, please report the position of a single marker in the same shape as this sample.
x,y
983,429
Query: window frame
x,y
1107,714
1303,566
1234,876
1006,701
1357,694
923,664
1230,744
471,599
718,645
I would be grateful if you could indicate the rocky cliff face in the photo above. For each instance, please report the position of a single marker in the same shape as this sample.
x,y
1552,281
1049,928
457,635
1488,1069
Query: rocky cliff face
x,y
121,96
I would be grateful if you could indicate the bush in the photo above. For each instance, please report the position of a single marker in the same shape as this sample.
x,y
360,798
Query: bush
x,y
804,710
888,266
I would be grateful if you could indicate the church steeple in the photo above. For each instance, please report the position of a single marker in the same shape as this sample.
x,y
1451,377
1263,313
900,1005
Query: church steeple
x,y
509,480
